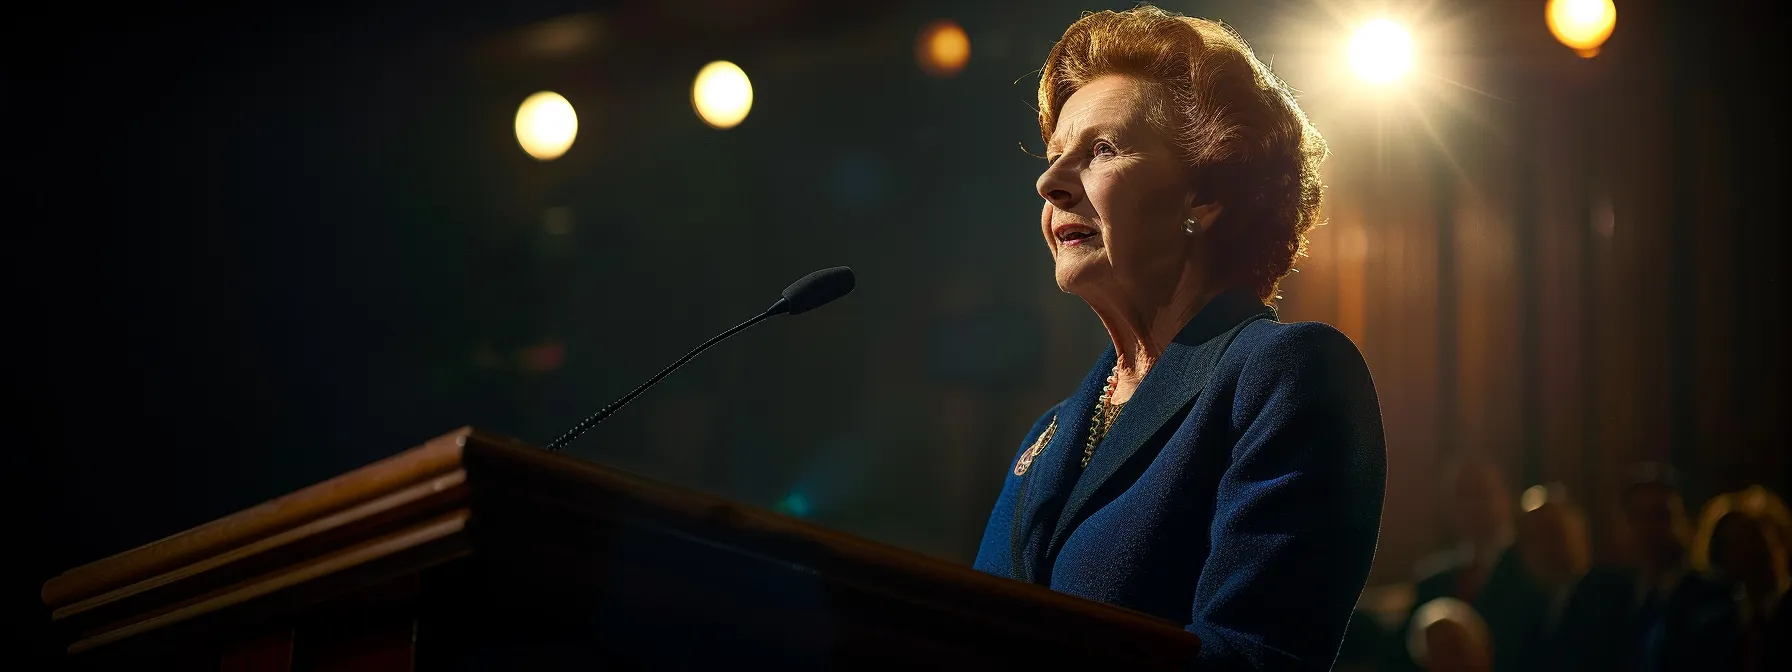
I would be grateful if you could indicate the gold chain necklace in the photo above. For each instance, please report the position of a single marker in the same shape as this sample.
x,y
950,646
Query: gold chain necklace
x,y
1105,413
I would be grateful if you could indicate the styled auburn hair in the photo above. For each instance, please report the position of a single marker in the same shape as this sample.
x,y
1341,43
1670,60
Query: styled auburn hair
x,y
1234,122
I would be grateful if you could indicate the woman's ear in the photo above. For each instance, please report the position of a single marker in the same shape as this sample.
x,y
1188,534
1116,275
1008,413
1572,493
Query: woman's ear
x,y
1206,214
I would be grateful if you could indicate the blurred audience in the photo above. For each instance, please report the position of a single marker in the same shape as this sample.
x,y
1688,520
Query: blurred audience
x,y
1555,549
1651,612
1484,570
1519,591
1742,539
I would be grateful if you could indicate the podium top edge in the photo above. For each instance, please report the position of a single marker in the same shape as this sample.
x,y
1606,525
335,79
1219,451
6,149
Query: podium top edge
x,y
434,458
504,465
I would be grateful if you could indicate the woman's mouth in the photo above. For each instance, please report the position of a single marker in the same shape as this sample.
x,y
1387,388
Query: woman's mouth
x,y
1076,234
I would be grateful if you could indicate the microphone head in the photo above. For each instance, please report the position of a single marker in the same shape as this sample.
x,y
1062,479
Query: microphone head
x,y
818,289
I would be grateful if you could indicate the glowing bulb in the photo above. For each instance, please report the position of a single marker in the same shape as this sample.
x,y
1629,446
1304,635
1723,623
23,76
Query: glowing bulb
x,y
722,95
546,125
942,49
1381,52
1581,25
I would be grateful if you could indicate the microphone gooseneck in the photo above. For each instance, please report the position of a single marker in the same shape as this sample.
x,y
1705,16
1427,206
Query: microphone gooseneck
x,y
808,293
606,411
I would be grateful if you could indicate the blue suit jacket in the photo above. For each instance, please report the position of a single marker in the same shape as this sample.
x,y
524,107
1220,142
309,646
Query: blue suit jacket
x,y
1239,491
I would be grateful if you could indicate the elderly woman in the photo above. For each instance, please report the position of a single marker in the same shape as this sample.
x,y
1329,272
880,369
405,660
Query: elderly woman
x,y
1216,467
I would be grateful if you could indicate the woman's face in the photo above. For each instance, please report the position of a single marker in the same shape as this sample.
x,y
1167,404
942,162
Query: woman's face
x,y
1115,194
1742,548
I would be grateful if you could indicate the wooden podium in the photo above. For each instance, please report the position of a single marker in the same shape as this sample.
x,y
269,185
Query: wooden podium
x,y
473,552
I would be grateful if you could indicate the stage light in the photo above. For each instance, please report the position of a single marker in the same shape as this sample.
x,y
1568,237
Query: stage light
x,y
1581,25
1381,52
546,125
942,49
722,95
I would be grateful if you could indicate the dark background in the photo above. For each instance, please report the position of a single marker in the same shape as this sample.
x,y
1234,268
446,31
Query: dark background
x,y
254,248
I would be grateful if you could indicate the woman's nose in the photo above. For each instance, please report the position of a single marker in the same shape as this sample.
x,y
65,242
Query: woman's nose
x,y
1059,189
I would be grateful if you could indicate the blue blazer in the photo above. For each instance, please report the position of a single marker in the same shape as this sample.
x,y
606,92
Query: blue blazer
x,y
1239,491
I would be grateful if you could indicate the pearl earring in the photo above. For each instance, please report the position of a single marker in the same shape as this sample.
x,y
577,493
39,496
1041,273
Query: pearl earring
x,y
1189,226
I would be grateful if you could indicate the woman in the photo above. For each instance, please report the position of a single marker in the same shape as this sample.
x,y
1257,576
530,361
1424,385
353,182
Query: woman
x,y
1216,467
1743,539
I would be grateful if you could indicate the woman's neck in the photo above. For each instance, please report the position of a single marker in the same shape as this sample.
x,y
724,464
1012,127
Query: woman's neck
x,y
1142,325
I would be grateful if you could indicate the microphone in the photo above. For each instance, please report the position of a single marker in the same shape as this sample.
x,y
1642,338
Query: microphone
x,y
807,293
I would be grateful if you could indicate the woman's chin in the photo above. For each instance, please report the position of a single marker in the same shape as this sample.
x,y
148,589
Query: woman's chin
x,y
1078,272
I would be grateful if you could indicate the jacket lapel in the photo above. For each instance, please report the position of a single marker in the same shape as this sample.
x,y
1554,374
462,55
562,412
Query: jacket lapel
x,y
1174,381
1046,484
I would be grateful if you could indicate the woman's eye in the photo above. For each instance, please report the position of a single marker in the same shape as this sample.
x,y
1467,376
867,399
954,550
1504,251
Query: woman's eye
x,y
1103,148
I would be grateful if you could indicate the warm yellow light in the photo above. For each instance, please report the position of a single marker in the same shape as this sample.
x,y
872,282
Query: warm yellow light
x,y
546,125
942,49
1534,497
1381,52
722,95
1581,25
